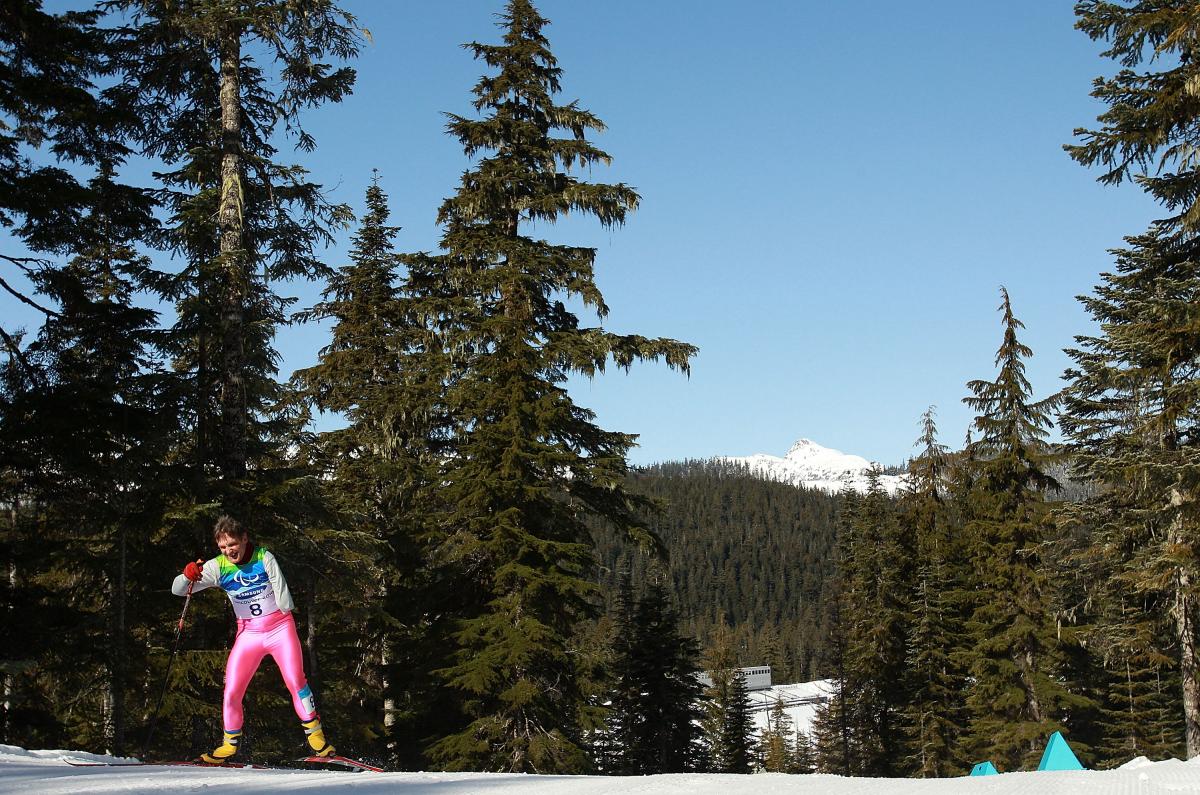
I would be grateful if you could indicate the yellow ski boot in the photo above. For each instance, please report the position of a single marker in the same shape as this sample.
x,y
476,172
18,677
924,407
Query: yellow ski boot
x,y
316,738
225,751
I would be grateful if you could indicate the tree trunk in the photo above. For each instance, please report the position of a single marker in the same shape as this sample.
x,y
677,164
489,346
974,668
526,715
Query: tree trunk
x,y
1185,628
7,678
233,261
117,673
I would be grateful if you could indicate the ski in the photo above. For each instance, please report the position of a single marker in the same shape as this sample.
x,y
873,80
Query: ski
x,y
341,761
192,763
331,761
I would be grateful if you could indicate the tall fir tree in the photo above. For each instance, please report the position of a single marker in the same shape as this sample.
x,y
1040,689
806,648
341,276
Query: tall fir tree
x,y
876,567
1148,132
1130,414
1131,408
88,441
737,728
1017,698
776,744
720,662
528,465
212,88
804,759
378,467
835,748
655,703
86,409
934,714
240,219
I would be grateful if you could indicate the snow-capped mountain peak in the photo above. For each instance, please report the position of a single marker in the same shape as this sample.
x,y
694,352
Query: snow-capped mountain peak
x,y
813,466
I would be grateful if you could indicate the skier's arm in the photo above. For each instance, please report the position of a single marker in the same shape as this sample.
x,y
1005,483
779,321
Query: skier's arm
x,y
208,579
283,597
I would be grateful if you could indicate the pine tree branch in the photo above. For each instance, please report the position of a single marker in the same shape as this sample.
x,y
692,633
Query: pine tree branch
x,y
16,352
20,297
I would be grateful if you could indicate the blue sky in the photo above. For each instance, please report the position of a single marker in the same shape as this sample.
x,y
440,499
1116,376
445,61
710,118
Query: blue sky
x,y
832,195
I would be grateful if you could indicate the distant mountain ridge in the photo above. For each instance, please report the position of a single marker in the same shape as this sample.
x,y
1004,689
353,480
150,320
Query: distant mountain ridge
x,y
813,466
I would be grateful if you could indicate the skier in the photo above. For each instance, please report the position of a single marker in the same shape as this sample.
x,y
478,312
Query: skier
x,y
251,578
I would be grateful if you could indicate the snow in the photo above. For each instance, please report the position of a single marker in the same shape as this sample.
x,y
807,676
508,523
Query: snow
x,y
800,702
812,466
47,773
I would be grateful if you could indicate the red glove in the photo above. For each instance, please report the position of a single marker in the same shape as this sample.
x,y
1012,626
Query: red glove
x,y
193,571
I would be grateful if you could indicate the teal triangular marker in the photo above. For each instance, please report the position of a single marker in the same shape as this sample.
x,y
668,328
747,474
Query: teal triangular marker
x,y
984,769
1058,755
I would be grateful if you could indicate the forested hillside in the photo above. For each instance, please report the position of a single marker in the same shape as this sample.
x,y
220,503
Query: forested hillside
x,y
752,553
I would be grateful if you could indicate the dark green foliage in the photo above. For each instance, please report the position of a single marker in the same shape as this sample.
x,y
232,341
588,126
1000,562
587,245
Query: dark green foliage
x,y
380,372
878,572
1017,697
776,750
1131,403
1147,133
1130,415
238,219
860,731
655,702
804,759
743,551
86,415
936,682
726,723
51,122
834,749
737,729
528,465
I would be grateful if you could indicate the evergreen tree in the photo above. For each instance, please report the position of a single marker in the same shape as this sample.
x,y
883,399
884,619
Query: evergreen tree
x,y
1017,698
52,122
776,744
239,219
1130,416
834,746
379,466
85,409
1148,133
720,662
934,714
876,566
528,465
655,706
804,758
211,88
88,442
737,729
1131,404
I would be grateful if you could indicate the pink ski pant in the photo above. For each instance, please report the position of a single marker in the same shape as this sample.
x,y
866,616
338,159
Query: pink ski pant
x,y
275,635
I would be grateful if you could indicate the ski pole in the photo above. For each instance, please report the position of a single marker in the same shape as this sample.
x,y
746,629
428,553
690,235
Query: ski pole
x,y
170,662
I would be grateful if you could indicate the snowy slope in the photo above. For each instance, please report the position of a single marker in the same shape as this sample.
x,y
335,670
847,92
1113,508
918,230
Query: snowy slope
x,y
812,466
800,702
46,773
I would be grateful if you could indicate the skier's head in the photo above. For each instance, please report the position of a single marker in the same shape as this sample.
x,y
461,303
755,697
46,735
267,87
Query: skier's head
x,y
232,539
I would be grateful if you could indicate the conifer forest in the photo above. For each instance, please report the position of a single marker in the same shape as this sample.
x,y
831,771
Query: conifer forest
x,y
482,579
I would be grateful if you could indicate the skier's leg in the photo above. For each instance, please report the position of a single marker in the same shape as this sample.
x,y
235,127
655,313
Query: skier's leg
x,y
244,659
285,648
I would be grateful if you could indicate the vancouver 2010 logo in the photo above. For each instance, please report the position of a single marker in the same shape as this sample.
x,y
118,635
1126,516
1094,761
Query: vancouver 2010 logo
x,y
245,579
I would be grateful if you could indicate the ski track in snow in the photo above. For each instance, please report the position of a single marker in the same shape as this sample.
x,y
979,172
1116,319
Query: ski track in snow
x,y
47,773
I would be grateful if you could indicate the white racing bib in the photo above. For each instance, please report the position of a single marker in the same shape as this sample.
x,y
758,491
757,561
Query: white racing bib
x,y
248,586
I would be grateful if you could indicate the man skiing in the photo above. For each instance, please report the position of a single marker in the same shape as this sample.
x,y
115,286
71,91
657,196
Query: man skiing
x,y
262,603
